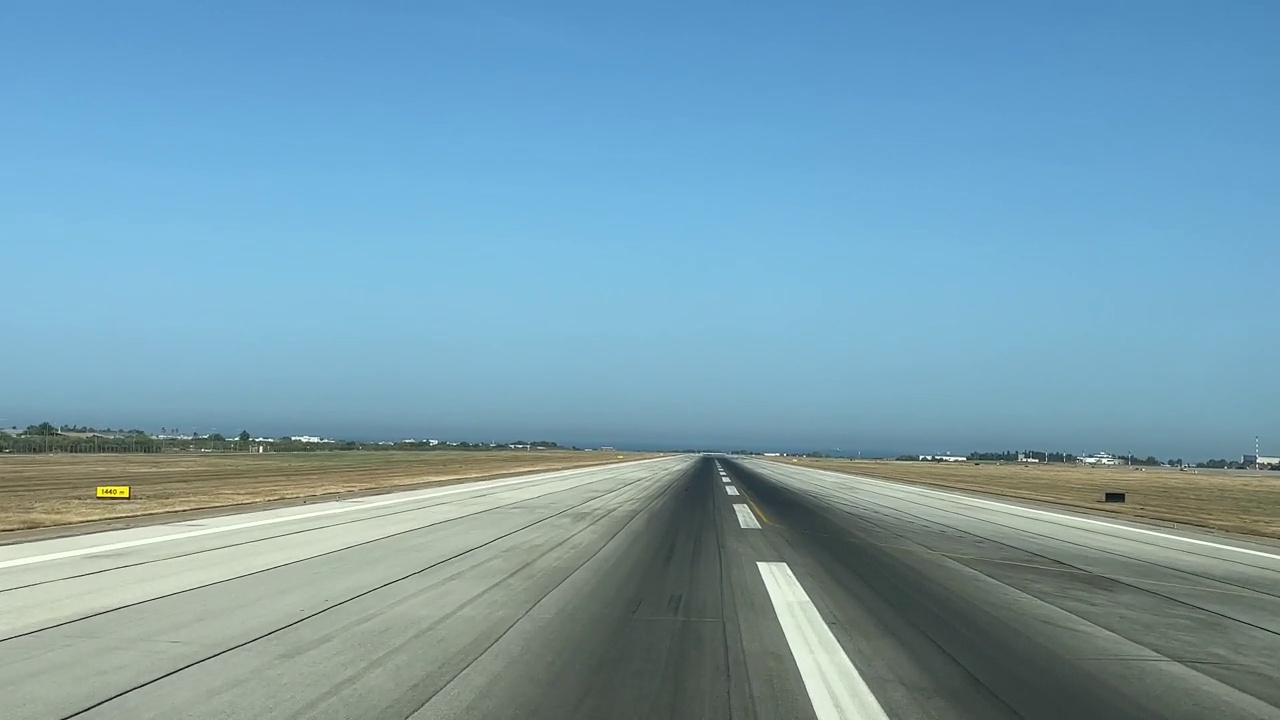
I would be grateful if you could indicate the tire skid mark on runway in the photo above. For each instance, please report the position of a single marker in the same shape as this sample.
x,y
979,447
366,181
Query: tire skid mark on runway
x,y
365,593
389,499
1064,563
299,560
678,482
1092,548
1008,508
291,533
340,684
1049,568
834,496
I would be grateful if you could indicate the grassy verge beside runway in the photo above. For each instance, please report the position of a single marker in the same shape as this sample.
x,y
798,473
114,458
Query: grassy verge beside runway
x,y
48,490
1231,501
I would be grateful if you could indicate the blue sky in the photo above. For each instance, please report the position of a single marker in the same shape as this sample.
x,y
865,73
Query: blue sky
x,y
885,225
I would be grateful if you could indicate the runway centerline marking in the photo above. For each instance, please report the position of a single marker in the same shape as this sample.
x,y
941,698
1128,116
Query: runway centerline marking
x,y
731,490
746,518
835,688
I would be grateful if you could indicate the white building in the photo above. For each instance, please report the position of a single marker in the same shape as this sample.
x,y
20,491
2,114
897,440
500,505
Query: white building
x,y
1102,459
1260,460
308,439
943,458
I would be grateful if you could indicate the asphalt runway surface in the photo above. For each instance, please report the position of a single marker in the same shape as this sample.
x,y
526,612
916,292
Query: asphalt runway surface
x,y
683,587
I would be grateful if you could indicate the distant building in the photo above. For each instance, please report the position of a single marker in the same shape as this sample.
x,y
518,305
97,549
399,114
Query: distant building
x,y
943,458
310,439
1102,459
1261,461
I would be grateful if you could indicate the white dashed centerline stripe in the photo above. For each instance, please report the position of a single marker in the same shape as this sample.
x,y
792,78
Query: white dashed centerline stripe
x,y
746,518
731,490
835,688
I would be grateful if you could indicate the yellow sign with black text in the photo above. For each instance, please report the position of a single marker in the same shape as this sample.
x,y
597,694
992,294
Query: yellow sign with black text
x,y
114,492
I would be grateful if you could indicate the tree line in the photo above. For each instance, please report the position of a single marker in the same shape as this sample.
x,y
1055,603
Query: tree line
x,y
49,438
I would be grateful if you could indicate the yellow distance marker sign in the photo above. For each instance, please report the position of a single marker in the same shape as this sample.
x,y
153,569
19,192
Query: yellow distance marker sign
x,y
114,492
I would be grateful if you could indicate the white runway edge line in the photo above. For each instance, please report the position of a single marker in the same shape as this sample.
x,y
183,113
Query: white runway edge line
x,y
746,518
835,688
1060,516
731,490
417,496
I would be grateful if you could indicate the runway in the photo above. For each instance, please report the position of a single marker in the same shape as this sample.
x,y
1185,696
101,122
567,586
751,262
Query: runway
x,y
683,587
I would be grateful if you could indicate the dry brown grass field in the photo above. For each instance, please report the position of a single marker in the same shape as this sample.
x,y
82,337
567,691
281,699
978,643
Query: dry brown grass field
x,y
46,490
1231,501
